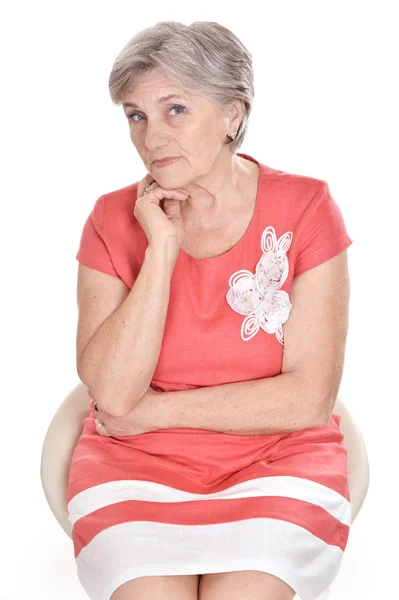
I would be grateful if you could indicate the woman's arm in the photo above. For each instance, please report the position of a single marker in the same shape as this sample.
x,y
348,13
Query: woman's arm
x,y
277,404
119,362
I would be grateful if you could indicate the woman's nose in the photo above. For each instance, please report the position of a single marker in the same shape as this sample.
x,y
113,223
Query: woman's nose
x,y
155,135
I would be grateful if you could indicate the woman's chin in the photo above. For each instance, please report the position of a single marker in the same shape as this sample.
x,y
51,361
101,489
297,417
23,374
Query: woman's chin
x,y
171,183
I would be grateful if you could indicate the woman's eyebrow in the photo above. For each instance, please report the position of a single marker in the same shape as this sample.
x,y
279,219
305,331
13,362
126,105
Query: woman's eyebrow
x,y
159,101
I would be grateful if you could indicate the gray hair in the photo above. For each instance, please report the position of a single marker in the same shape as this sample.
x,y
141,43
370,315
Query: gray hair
x,y
203,58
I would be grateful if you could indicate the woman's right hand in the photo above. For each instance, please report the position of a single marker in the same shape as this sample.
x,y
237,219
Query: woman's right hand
x,y
158,212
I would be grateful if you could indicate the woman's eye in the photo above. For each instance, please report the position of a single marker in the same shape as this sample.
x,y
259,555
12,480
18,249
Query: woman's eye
x,y
181,108
177,106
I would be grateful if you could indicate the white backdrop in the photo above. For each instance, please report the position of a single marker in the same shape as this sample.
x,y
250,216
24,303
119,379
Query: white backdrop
x,y
325,106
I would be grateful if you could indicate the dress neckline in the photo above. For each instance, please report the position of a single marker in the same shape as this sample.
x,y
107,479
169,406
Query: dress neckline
x,y
241,241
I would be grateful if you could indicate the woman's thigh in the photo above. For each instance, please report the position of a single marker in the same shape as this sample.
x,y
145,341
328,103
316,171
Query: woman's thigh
x,y
178,587
237,585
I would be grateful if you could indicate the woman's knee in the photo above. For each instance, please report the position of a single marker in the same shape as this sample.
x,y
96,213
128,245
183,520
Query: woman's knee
x,y
159,587
236,585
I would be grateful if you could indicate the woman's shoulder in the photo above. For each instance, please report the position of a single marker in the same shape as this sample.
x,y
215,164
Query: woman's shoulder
x,y
290,181
286,198
115,209
284,190
121,200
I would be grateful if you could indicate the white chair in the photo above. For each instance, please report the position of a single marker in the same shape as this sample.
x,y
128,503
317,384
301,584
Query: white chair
x,y
67,425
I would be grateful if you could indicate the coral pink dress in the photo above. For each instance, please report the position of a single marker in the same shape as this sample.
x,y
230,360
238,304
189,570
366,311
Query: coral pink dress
x,y
193,501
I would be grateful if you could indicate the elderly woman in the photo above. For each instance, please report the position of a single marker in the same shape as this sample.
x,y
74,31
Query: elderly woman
x,y
213,313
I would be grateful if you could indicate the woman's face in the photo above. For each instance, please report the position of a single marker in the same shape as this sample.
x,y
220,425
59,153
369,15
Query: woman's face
x,y
187,126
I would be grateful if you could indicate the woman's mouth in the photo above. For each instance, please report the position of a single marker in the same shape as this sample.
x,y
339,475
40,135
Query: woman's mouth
x,y
164,163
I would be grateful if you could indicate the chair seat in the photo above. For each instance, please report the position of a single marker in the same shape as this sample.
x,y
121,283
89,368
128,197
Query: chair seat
x,y
67,424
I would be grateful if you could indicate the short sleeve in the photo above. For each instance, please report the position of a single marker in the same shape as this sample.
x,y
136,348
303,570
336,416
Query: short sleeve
x,y
93,250
325,233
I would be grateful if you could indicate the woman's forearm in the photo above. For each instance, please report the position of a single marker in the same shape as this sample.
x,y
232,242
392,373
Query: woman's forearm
x,y
119,362
279,404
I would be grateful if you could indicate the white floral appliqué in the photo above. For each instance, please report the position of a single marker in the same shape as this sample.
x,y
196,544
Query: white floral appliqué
x,y
258,294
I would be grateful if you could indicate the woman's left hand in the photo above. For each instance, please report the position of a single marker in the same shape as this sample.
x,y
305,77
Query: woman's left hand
x,y
135,422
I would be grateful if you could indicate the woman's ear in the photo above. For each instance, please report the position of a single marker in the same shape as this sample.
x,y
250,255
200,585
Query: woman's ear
x,y
236,113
